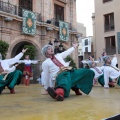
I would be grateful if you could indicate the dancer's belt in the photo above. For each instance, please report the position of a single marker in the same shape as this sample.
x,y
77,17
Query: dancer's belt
x,y
1,69
5,73
63,68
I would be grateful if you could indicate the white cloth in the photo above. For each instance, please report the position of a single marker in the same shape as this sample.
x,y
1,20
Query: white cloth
x,y
87,61
28,62
96,73
8,62
50,69
114,61
110,72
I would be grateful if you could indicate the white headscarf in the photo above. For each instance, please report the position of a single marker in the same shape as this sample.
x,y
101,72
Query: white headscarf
x,y
44,49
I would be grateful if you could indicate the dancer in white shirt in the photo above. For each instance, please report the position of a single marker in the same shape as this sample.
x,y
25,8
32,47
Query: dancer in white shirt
x,y
99,75
66,78
9,76
110,71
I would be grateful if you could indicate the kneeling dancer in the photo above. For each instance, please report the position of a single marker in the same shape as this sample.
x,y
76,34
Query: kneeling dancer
x,y
9,76
65,78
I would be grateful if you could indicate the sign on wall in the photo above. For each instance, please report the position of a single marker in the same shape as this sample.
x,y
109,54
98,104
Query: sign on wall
x,y
29,22
118,41
63,31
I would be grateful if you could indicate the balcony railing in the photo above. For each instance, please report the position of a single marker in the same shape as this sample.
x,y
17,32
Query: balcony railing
x,y
56,23
109,28
15,10
65,1
111,51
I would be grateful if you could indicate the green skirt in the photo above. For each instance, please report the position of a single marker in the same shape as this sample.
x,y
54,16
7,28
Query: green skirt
x,y
78,78
12,79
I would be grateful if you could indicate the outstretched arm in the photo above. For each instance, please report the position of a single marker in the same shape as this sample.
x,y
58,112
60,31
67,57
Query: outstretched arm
x,y
69,51
19,56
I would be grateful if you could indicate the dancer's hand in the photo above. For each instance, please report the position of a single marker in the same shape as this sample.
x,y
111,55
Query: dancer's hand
x,y
75,45
39,60
24,50
16,65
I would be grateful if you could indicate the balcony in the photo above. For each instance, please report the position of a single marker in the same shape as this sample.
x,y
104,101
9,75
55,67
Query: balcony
x,y
15,10
56,23
111,50
109,28
64,1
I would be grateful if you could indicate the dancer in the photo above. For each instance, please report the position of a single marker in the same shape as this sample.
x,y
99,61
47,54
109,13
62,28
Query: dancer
x,y
110,72
99,75
101,59
66,78
90,59
9,76
27,72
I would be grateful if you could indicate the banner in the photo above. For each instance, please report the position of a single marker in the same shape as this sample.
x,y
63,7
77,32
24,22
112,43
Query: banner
x,y
118,42
29,22
63,31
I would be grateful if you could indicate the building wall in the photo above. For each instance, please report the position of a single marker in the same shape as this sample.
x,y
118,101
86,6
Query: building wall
x,y
98,27
81,29
11,31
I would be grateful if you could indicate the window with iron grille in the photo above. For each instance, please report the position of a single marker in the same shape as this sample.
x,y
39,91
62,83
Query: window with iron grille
x,y
58,14
109,22
110,45
25,4
106,1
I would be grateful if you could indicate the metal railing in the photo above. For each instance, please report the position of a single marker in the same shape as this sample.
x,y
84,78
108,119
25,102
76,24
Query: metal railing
x,y
56,23
109,28
15,10
111,51
65,1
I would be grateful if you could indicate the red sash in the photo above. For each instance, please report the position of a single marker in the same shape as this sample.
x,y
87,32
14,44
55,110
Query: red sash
x,y
56,62
97,70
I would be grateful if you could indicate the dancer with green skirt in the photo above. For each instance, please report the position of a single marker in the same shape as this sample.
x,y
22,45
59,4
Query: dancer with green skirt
x,y
65,77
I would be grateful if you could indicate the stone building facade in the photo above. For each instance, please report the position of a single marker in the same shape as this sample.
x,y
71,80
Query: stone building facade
x,y
48,13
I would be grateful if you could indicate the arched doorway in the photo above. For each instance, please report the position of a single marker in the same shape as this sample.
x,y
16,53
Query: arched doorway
x,y
36,68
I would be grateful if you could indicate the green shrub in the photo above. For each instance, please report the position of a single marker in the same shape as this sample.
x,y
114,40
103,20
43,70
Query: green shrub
x,y
30,51
3,48
72,63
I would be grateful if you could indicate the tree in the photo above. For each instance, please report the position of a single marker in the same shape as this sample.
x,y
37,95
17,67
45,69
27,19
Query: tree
x,y
3,48
30,51
72,63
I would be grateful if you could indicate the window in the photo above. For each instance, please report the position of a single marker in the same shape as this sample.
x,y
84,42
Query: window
x,y
110,45
106,1
25,4
86,49
109,22
58,14
86,42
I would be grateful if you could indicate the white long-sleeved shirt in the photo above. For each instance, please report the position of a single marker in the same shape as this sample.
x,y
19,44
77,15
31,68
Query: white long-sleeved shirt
x,y
87,61
110,72
27,62
8,62
97,74
114,61
50,69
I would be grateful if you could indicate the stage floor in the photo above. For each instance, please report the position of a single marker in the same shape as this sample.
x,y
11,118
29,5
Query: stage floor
x,y
29,104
